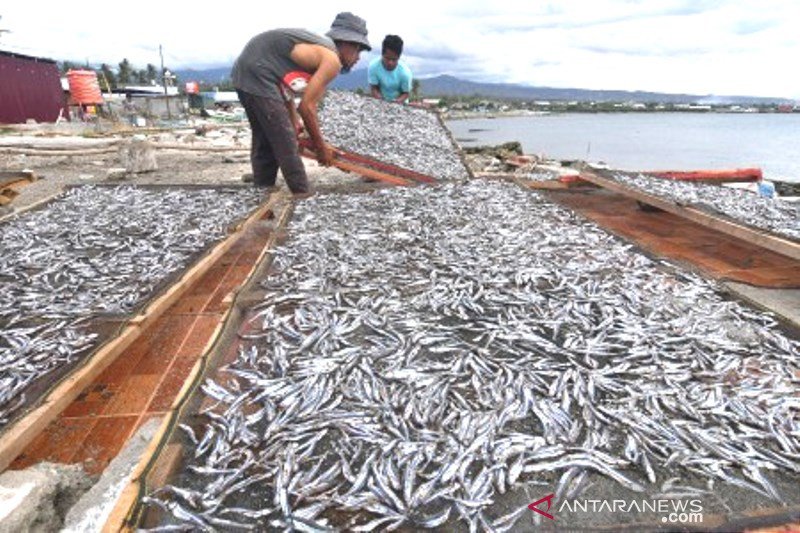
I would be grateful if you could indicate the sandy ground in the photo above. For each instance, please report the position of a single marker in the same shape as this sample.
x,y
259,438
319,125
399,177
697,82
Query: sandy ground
x,y
224,162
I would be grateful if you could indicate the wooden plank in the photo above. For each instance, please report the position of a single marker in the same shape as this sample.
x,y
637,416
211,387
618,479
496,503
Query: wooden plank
x,y
385,167
753,236
369,172
9,193
168,461
361,170
367,162
165,463
557,183
32,206
53,152
9,178
17,436
711,176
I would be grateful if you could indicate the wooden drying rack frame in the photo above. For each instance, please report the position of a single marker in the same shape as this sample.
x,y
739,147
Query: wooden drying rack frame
x,y
368,167
757,237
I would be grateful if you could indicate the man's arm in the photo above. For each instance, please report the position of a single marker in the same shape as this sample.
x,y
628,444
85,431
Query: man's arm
x,y
326,65
405,85
373,80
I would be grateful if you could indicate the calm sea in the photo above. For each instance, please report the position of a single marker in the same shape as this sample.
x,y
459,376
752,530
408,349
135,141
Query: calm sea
x,y
651,141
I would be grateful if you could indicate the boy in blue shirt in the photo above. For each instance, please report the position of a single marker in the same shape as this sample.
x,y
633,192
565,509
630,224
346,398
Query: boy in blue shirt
x,y
388,78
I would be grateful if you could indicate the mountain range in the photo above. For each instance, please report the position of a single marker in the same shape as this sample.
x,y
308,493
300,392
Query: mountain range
x,y
445,85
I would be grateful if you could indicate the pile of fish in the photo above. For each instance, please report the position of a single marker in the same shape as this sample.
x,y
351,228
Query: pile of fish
x,y
773,215
94,250
405,136
422,354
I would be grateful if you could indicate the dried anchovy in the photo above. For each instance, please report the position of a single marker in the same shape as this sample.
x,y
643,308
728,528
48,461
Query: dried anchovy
x,y
408,137
93,250
774,215
540,175
419,353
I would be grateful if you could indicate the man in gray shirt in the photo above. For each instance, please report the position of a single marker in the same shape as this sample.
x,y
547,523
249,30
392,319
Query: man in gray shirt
x,y
272,68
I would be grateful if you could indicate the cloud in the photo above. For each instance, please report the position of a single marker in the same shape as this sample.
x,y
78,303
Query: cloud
x,y
687,46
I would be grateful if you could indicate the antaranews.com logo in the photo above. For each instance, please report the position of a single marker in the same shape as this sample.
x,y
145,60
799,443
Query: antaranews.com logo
x,y
670,511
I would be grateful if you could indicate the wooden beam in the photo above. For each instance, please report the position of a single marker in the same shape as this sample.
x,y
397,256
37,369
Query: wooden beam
x,y
557,183
32,206
385,167
362,170
10,178
17,436
761,238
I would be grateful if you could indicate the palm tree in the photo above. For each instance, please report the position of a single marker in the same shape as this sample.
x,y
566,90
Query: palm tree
x,y
108,75
125,71
152,73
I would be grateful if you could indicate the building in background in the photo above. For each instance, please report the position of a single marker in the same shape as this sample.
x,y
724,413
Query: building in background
x,y
30,89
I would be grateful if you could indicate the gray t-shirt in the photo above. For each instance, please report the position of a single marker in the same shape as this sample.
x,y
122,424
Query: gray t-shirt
x,y
265,60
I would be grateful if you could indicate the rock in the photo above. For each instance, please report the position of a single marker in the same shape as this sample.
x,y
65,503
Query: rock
x,y
138,156
502,151
116,173
786,188
37,499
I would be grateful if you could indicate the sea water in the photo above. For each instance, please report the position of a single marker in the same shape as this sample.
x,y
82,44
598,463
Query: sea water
x,y
651,141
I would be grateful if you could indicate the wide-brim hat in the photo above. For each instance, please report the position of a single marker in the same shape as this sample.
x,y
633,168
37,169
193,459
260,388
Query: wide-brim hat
x,y
351,28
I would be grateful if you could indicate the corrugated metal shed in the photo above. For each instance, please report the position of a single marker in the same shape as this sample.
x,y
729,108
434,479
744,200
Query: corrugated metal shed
x,y
30,88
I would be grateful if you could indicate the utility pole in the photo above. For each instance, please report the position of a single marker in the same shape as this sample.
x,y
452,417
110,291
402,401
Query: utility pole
x,y
164,81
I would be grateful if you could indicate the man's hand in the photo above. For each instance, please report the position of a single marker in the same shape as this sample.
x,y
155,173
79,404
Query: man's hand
x,y
299,128
325,155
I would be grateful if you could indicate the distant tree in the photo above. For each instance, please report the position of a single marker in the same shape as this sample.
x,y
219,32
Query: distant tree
x,y
108,76
152,73
224,84
66,66
141,77
125,72
415,89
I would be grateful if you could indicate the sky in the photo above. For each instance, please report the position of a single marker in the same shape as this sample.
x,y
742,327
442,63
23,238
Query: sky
x,y
741,47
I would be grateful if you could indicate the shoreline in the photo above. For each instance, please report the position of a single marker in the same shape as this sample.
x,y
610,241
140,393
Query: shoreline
x,y
639,142
469,115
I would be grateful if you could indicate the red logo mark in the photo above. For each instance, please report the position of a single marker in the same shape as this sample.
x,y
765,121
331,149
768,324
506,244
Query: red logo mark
x,y
534,506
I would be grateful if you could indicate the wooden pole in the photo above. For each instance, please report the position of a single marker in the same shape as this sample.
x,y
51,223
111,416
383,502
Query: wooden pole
x,y
164,81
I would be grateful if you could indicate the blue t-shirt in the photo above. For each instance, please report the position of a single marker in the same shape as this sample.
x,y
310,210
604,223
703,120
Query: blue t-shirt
x,y
392,83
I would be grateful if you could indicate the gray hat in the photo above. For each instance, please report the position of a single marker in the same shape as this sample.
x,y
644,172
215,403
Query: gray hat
x,y
351,28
